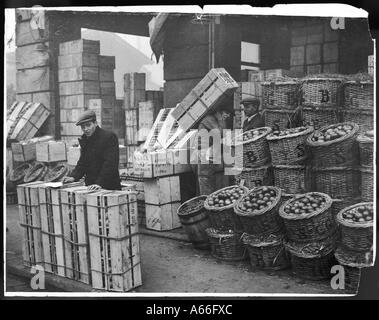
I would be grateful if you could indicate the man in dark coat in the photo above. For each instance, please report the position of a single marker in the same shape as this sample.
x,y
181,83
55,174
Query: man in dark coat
x,y
254,119
99,156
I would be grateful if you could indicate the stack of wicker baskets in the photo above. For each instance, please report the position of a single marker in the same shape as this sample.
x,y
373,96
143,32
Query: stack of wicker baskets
x,y
355,249
225,231
321,100
366,154
280,100
334,166
263,229
311,235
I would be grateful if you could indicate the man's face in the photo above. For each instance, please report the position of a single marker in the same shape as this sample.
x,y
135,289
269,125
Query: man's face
x,y
251,108
88,127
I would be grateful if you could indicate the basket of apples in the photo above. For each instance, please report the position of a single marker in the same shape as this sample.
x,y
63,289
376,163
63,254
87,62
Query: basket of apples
x,y
258,211
334,145
220,207
308,217
288,146
366,148
356,224
254,151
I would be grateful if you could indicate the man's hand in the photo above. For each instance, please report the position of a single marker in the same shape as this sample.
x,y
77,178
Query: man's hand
x,y
94,187
68,179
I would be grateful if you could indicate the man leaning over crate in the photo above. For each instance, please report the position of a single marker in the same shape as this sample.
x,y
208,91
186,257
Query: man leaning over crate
x,y
99,156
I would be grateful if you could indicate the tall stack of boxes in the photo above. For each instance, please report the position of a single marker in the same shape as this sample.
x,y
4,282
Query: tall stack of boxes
x,y
78,77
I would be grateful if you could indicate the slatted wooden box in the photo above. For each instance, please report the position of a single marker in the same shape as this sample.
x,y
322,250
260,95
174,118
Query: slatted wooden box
x,y
206,95
162,200
114,240
146,112
79,87
30,221
79,46
78,60
26,150
29,121
14,113
153,164
51,151
160,122
78,74
134,89
73,155
75,233
77,101
52,227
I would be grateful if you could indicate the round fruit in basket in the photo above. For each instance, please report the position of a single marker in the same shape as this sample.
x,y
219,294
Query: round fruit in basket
x,y
305,205
225,197
259,199
253,134
287,132
360,214
331,134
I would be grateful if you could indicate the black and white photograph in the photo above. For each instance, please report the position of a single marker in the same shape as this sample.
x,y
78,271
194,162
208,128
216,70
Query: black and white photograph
x,y
223,151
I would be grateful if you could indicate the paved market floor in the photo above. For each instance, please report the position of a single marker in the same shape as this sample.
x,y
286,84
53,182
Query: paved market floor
x,y
172,266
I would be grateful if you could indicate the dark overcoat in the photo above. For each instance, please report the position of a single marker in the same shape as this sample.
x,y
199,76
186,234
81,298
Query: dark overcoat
x,y
99,160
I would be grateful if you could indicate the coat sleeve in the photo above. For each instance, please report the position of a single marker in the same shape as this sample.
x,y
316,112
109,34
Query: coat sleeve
x,y
111,160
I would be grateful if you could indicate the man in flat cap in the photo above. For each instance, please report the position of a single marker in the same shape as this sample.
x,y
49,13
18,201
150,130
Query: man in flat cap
x,y
253,118
99,156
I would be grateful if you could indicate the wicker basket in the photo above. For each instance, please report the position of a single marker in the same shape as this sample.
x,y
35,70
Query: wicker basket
x,y
36,173
313,260
359,95
17,174
291,179
340,204
11,198
356,236
226,246
367,184
289,149
266,253
366,150
365,119
57,173
341,151
312,226
322,92
255,152
338,182
320,117
264,222
280,94
256,177
358,259
224,218
278,119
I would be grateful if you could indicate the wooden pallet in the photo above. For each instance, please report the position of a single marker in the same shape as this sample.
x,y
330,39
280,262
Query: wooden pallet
x,y
206,95
114,240
30,221
162,200
51,151
29,122
52,228
75,233
26,150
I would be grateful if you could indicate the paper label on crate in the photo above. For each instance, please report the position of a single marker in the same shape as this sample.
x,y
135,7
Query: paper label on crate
x,y
54,184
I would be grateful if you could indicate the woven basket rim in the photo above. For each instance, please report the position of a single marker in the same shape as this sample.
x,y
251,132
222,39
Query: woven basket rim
x,y
263,211
321,210
358,111
268,131
319,108
53,174
289,166
345,223
328,143
24,167
37,166
296,252
206,206
366,169
322,79
254,241
189,201
364,139
279,110
215,233
345,168
357,82
275,83
307,130
265,166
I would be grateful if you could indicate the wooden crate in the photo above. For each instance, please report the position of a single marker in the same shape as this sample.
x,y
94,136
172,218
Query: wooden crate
x,y
206,95
27,32
146,112
79,87
51,151
134,89
114,240
297,56
75,233
106,75
152,164
79,101
33,80
14,113
70,115
162,200
30,57
108,88
52,228
130,149
152,137
26,150
313,54
131,135
107,62
330,52
70,129
73,155
78,60
79,46
29,122
78,74
30,221
123,157
96,106
273,74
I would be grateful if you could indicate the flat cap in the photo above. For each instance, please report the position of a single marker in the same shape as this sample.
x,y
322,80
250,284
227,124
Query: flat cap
x,y
86,116
250,100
